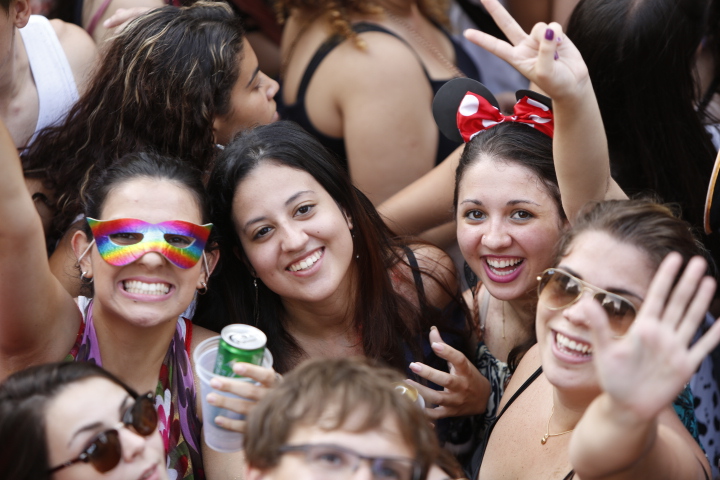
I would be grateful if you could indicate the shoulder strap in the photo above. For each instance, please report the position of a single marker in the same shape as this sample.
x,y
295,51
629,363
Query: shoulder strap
x,y
520,390
417,276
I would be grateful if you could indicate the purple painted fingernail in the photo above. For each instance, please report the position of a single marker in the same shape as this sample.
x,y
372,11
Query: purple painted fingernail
x,y
549,34
556,56
559,39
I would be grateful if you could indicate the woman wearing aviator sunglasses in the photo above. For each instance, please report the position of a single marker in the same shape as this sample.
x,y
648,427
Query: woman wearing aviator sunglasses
x,y
77,421
142,256
614,324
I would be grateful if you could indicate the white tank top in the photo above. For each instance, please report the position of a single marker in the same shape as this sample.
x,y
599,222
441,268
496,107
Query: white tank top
x,y
51,70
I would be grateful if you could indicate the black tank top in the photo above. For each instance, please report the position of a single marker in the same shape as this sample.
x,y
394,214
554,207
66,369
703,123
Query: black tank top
x,y
297,112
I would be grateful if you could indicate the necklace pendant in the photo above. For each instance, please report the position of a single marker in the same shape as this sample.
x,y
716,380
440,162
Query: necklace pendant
x,y
543,440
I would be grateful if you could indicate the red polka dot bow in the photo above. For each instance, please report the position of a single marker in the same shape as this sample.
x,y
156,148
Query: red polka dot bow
x,y
476,114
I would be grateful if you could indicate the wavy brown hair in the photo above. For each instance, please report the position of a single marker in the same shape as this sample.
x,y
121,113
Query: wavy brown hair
x,y
161,83
338,13
328,393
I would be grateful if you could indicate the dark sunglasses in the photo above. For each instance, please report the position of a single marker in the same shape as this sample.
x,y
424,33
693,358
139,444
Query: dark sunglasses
x,y
559,289
104,451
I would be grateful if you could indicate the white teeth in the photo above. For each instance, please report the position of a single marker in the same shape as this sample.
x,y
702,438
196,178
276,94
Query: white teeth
x,y
306,262
495,264
566,344
142,288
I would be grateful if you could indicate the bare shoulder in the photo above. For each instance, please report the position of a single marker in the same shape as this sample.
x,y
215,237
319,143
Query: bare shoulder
x,y
200,334
527,366
385,59
438,273
79,49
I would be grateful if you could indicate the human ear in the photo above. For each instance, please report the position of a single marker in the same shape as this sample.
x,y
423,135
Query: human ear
x,y
21,11
81,247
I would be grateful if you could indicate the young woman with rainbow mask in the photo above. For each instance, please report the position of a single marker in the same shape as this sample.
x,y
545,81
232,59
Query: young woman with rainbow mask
x,y
142,255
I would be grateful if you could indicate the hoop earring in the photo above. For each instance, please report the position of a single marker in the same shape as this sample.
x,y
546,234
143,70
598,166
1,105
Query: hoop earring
x,y
256,307
203,290
85,280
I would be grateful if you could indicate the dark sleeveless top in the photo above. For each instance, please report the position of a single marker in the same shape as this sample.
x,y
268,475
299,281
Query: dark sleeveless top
x,y
297,112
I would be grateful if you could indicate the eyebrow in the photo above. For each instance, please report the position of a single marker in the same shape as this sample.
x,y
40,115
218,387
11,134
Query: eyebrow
x,y
252,78
96,425
618,291
510,203
287,202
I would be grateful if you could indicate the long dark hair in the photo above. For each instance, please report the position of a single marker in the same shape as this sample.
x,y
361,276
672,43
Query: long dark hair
x,y
161,83
656,139
24,397
386,321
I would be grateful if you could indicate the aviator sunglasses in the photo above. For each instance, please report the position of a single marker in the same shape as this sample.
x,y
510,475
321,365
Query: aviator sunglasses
x,y
558,289
104,451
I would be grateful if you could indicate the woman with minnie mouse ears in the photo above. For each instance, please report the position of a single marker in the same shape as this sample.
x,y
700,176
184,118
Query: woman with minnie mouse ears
x,y
509,210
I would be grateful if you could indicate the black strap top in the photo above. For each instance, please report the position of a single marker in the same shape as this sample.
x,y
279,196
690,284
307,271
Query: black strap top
x,y
480,453
297,112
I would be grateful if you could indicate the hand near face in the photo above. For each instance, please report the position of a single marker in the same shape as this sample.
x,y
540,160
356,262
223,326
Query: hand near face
x,y
250,392
465,391
545,56
645,369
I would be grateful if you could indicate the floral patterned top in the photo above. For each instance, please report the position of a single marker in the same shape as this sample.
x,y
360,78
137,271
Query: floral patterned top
x,y
174,396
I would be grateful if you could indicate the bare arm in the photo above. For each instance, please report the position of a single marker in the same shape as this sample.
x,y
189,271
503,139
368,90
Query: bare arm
x,y
629,431
39,319
385,103
79,49
550,60
426,203
103,33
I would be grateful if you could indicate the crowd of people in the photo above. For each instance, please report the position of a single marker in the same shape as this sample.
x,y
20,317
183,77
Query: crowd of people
x,y
455,281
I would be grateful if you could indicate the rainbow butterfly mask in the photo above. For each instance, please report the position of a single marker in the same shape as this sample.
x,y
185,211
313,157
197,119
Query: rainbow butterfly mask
x,y
124,240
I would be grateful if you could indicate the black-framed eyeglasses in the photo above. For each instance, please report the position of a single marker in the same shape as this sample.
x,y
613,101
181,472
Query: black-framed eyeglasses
x,y
558,289
336,462
104,451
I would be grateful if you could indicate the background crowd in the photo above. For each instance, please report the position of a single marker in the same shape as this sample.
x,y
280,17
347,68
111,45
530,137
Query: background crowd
x,y
481,237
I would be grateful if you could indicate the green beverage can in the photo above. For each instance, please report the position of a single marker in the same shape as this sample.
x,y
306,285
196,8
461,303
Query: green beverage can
x,y
239,343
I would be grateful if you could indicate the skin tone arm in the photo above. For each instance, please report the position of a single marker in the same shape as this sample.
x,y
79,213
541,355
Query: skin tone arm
x,y
79,48
579,146
31,331
628,431
426,203
550,60
102,33
384,101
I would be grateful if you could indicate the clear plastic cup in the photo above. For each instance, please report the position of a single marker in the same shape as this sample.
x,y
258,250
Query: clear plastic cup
x,y
216,437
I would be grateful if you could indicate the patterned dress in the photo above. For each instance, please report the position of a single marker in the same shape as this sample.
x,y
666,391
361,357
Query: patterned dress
x,y
175,400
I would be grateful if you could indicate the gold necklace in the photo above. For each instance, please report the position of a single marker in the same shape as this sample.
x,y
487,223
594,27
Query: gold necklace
x,y
547,435
503,313
456,72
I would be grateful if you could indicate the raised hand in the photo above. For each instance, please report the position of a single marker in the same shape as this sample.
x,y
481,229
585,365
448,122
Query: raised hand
x,y
249,391
466,391
644,370
545,56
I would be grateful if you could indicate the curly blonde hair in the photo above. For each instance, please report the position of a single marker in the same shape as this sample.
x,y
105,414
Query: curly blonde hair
x,y
340,11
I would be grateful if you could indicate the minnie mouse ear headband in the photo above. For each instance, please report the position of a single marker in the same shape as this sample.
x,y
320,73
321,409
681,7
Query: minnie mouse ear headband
x,y
464,107
712,201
